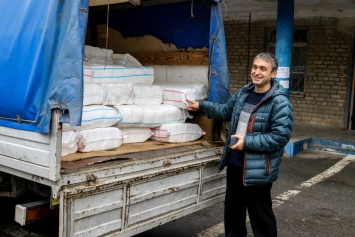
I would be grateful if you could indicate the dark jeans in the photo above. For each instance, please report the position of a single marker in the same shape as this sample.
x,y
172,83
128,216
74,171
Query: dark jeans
x,y
255,199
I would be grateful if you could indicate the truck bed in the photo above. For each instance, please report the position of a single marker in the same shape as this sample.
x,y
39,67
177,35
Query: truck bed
x,y
137,187
133,152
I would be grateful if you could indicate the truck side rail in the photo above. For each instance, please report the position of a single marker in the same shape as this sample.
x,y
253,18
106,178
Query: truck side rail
x,y
30,153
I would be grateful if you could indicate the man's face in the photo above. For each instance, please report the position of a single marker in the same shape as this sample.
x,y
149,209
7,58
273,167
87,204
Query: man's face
x,y
261,74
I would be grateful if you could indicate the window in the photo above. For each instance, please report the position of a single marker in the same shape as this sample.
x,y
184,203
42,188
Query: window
x,y
299,58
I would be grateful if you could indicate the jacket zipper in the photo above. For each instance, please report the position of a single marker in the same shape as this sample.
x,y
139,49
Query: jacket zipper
x,y
268,163
245,161
251,129
252,125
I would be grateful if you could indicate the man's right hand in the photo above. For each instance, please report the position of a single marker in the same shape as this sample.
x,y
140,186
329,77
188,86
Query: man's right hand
x,y
192,104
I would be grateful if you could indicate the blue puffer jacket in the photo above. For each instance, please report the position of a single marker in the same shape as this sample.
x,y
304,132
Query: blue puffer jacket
x,y
269,130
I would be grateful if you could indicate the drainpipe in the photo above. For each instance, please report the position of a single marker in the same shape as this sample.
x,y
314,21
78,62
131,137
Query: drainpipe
x,y
284,37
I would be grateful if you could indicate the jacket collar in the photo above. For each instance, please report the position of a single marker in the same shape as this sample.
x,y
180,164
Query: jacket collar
x,y
276,89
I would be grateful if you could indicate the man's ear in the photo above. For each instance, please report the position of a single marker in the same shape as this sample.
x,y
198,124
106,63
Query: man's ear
x,y
273,74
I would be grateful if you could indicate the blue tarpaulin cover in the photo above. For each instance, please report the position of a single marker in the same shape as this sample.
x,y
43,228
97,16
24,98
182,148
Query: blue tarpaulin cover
x,y
218,66
41,52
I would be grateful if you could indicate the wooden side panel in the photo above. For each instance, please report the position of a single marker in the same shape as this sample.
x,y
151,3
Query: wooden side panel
x,y
173,58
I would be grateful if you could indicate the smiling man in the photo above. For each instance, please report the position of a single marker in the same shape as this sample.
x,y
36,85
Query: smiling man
x,y
261,124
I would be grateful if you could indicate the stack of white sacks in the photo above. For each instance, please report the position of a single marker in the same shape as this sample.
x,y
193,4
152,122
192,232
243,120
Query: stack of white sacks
x,y
121,105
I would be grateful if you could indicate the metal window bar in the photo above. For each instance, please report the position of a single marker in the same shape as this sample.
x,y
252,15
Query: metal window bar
x,y
299,58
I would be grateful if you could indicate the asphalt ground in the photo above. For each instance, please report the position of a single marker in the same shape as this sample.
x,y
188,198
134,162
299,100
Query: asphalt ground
x,y
313,196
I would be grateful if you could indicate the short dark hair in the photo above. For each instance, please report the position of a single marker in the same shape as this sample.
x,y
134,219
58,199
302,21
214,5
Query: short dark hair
x,y
268,57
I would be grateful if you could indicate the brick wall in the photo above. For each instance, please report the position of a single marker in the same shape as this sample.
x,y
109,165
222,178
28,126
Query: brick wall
x,y
328,71
240,56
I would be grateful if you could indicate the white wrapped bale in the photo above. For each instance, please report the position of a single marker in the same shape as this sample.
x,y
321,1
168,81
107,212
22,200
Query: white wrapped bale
x,y
94,94
126,60
147,94
118,94
121,74
70,141
150,115
87,74
95,116
98,55
176,94
177,132
98,139
135,135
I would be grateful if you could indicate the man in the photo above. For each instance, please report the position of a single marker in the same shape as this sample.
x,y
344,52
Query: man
x,y
261,120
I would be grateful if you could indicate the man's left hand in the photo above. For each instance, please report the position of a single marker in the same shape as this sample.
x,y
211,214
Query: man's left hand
x,y
240,144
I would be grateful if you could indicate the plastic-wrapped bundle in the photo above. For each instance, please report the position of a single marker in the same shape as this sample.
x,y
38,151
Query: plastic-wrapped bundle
x,y
98,55
147,94
98,139
134,135
175,94
87,74
94,94
177,132
119,74
95,116
150,115
118,94
70,141
126,60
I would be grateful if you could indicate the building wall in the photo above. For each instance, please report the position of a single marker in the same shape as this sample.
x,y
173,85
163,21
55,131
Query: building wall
x,y
328,70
